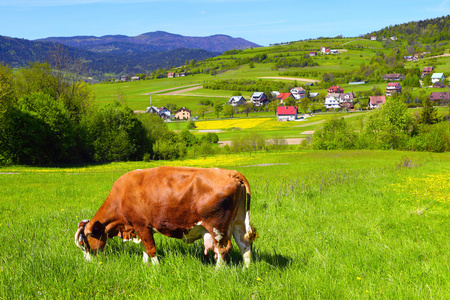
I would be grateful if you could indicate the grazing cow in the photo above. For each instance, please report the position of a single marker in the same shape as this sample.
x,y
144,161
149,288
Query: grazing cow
x,y
180,202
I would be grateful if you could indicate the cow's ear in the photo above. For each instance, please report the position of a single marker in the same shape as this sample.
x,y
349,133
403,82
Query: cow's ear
x,y
98,229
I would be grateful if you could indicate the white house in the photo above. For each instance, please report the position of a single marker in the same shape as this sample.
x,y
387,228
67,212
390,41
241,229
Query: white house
x,y
298,92
287,113
437,77
332,102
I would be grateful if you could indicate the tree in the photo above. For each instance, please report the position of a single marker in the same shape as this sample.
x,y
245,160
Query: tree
x,y
304,104
229,111
202,110
247,107
428,115
218,107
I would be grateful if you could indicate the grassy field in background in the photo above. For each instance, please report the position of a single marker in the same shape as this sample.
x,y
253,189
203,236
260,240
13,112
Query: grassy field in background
x,y
331,224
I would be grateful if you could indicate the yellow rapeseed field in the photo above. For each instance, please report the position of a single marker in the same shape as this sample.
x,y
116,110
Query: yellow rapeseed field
x,y
251,123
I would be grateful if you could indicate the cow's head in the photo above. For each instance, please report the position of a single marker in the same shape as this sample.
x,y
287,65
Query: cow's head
x,y
90,237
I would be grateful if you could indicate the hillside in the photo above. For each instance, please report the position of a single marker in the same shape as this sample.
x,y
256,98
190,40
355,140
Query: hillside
x,y
152,41
18,53
429,31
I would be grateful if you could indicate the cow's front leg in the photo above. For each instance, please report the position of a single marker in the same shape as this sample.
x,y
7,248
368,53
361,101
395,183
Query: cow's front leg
x,y
148,241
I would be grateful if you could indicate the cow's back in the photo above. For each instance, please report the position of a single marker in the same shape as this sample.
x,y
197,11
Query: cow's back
x,y
173,199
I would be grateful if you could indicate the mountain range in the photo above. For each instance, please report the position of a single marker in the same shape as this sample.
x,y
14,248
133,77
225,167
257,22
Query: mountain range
x,y
120,54
151,41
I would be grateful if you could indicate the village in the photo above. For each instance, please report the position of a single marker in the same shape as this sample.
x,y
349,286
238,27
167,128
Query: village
x,y
336,98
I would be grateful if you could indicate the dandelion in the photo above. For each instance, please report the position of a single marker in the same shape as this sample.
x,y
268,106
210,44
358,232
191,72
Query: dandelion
x,y
359,278
259,279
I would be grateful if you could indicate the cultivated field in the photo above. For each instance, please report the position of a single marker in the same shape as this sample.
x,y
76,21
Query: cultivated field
x,y
331,224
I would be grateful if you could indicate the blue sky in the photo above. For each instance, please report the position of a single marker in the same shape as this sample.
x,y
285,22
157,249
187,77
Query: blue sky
x,y
263,22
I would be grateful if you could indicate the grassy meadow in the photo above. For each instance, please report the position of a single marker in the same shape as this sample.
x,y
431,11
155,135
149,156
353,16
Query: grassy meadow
x,y
331,224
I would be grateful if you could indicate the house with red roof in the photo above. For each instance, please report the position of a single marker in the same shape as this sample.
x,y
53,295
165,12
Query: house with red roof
x,y
284,96
376,101
287,113
393,87
335,89
427,71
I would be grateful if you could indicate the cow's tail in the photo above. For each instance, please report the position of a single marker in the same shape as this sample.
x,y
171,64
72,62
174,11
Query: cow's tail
x,y
250,230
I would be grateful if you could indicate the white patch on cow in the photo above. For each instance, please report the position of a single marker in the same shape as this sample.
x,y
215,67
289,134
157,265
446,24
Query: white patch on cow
x,y
218,234
145,257
136,240
220,262
247,258
87,256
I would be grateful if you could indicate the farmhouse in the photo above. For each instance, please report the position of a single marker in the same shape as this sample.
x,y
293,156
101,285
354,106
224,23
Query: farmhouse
x,y
427,71
236,101
393,77
313,53
332,102
376,101
373,38
259,98
170,75
346,97
135,78
437,77
162,112
393,87
286,113
298,92
284,96
335,89
440,97
183,114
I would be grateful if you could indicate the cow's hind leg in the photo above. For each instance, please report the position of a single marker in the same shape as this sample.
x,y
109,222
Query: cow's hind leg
x,y
240,236
222,245
146,235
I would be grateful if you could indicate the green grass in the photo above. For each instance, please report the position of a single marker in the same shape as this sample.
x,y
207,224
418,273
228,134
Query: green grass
x,y
332,225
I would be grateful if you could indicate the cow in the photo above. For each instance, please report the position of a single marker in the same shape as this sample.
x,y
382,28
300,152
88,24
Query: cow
x,y
180,202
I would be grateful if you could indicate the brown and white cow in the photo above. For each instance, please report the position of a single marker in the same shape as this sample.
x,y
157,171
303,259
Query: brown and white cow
x,y
180,202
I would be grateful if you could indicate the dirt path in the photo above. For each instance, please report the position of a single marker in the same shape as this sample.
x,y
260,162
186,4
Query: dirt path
x,y
292,78
181,91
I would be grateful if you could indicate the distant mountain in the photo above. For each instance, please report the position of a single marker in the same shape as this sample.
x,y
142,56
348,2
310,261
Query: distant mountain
x,y
152,41
18,53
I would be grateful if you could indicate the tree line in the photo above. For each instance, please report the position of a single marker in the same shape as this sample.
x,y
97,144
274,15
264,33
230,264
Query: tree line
x,y
47,117
389,127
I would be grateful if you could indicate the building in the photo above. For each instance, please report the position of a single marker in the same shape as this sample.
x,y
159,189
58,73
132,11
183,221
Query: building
x,y
440,97
284,96
393,77
393,87
332,102
298,92
376,101
236,101
183,114
427,71
437,77
335,89
287,113
259,98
